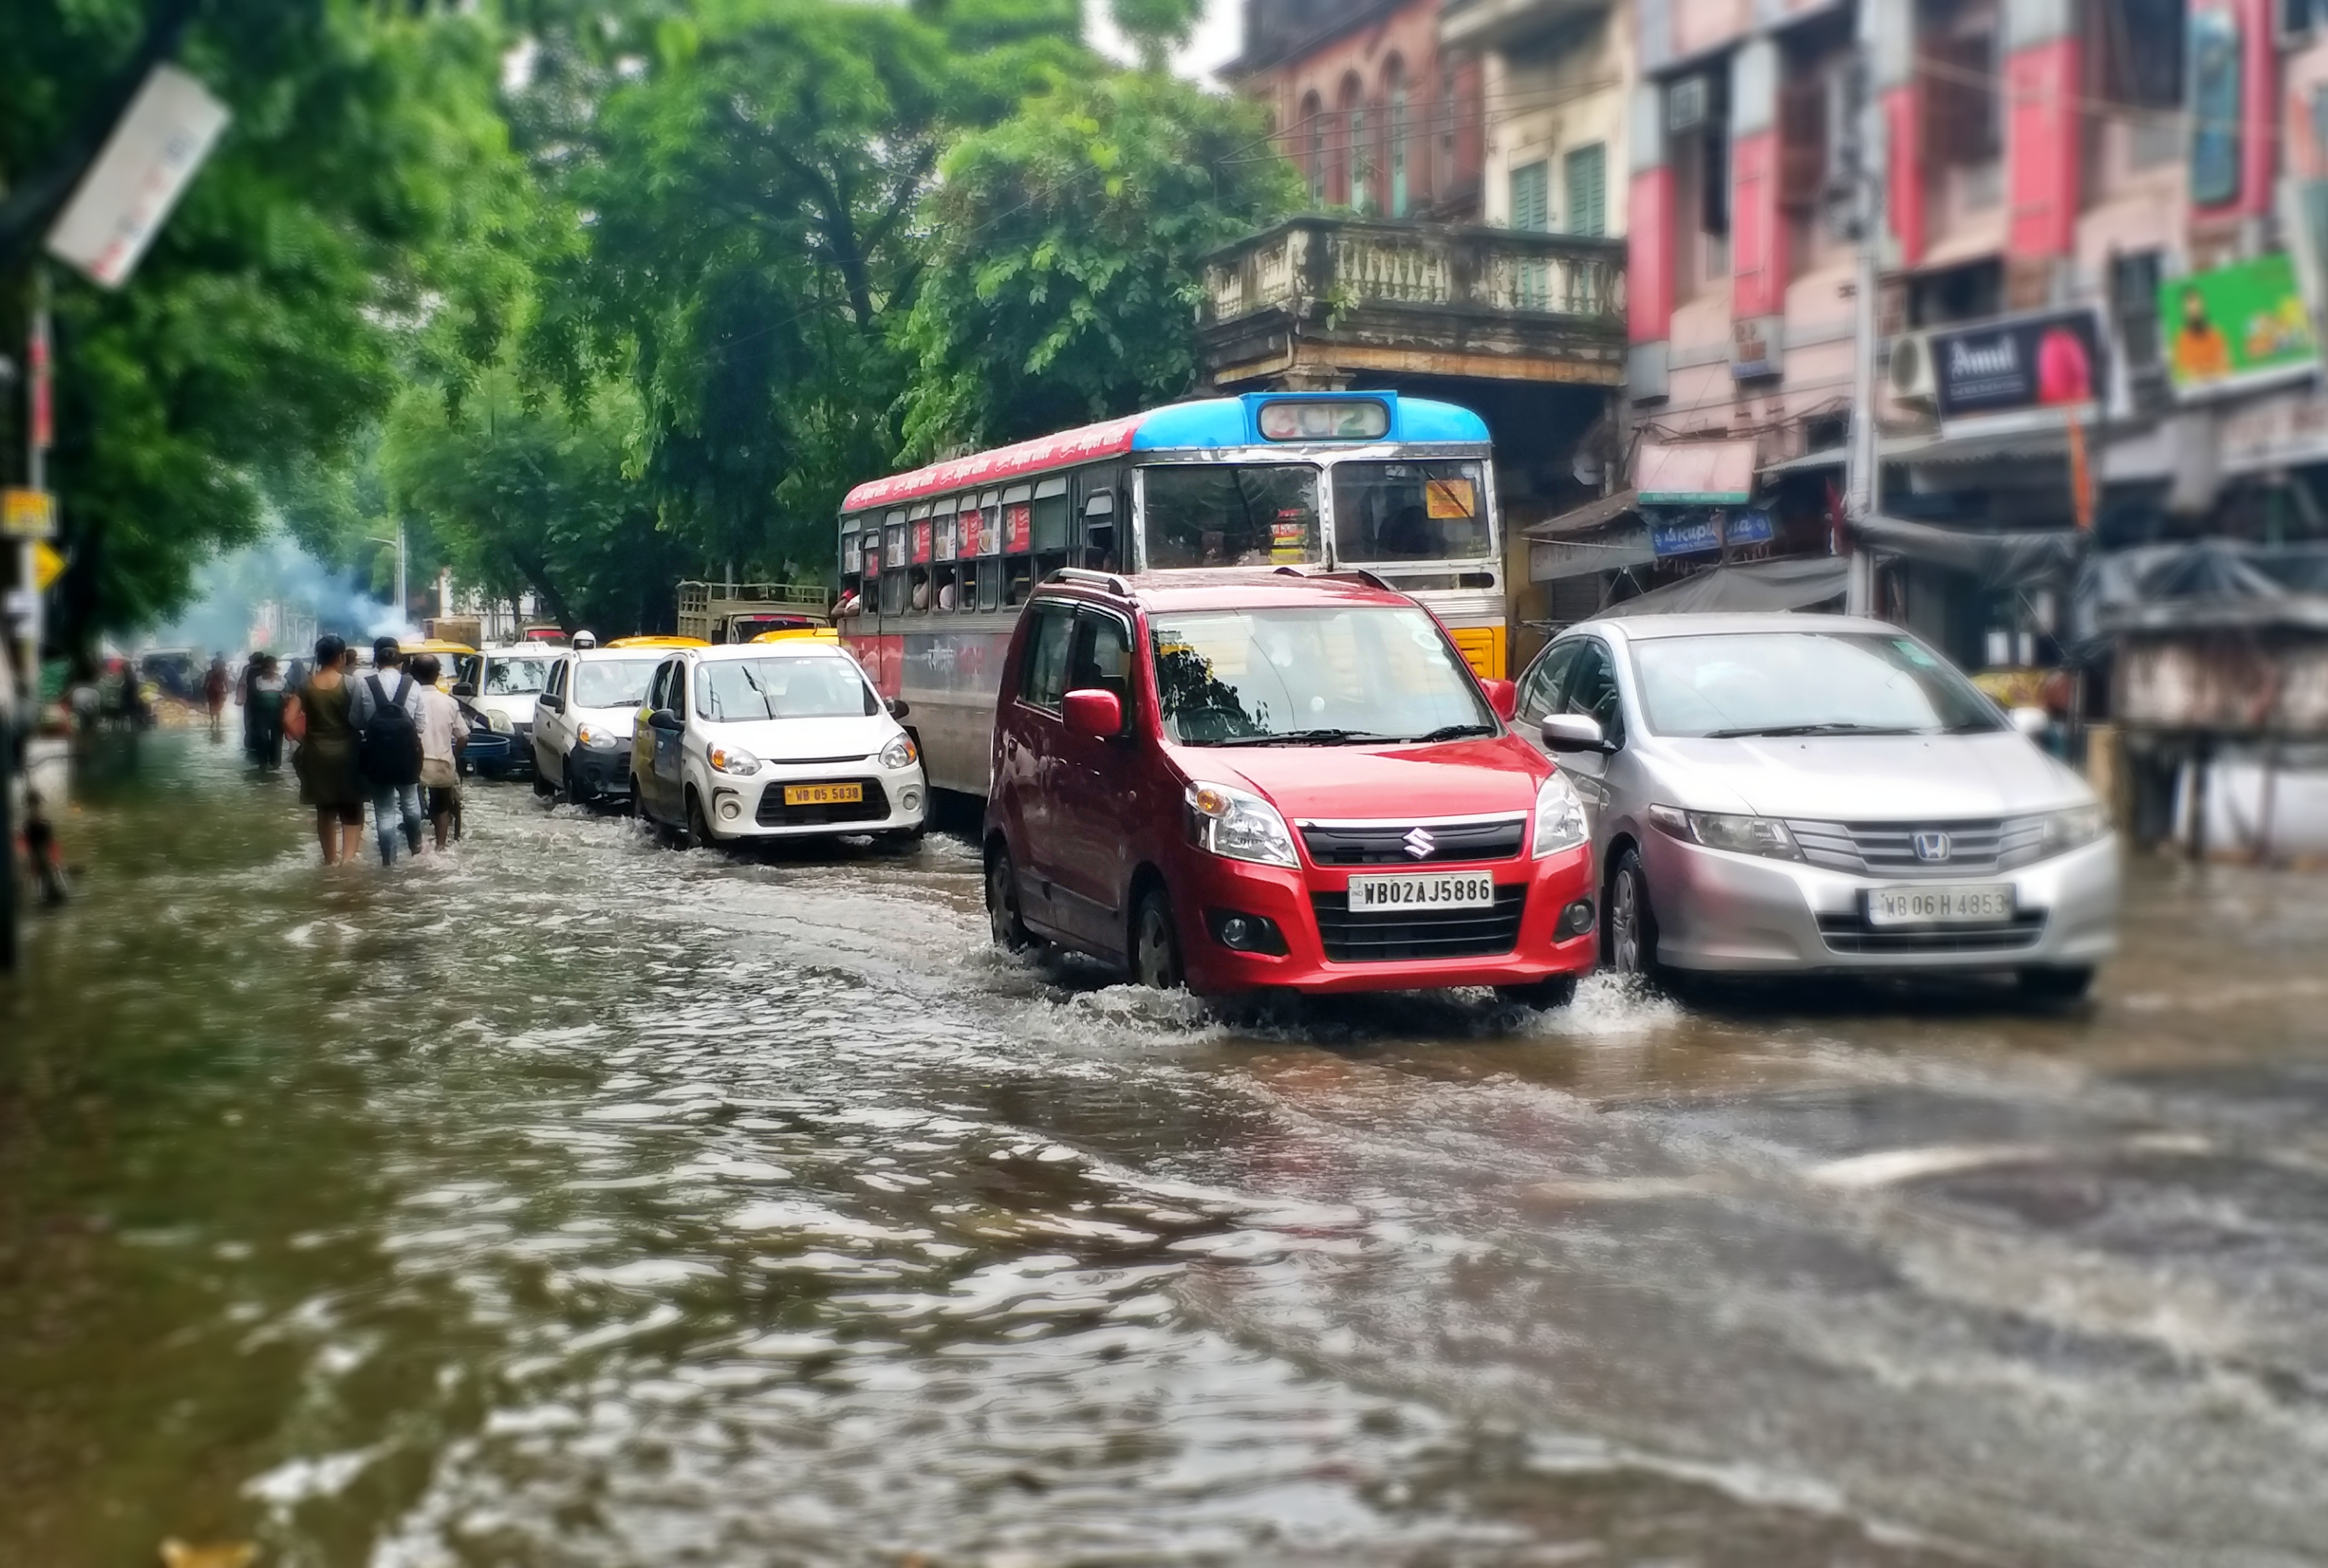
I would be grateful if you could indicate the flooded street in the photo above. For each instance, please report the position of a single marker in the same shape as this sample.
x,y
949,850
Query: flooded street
x,y
571,1201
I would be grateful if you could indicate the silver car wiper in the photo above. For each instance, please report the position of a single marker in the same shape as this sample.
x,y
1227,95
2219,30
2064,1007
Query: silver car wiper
x,y
1788,729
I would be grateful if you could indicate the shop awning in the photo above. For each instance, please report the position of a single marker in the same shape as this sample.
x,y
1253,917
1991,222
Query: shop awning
x,y
1826,457
1695,473
1580,519
2204,584
1747,585
2034,558
2049,444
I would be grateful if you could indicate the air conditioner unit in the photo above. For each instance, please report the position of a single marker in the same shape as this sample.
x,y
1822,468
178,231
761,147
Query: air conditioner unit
x,y
1688,100
1910,375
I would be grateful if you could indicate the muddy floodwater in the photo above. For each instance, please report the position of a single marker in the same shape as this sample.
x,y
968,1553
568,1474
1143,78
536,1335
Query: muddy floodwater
x,y
571,1201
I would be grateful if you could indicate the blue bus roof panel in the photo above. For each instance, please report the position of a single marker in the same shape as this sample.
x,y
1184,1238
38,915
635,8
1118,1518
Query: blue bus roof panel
x,y
1236,421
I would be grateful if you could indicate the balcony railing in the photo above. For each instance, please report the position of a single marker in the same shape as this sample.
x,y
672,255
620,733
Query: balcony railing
x,y
1312,266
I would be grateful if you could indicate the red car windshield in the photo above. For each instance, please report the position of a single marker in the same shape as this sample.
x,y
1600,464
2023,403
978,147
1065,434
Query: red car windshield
x,y
1340,674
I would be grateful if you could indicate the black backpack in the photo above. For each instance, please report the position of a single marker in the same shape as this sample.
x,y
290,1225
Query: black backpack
x,y
388,748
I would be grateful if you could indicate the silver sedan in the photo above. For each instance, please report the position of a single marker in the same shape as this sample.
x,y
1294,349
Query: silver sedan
x,y
1784,793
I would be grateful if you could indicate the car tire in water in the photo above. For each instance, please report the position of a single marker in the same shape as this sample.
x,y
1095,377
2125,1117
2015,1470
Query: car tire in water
x,y
696,834
1557,991
2056,984
576,793
542,788
1631,940
1155,942
1010,932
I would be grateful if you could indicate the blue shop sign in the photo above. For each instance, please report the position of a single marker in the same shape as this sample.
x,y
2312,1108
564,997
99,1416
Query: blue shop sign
x,y
1697,532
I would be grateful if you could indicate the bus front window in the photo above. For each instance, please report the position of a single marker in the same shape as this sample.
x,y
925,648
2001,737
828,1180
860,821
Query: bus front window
x,y
1229,515
1409,512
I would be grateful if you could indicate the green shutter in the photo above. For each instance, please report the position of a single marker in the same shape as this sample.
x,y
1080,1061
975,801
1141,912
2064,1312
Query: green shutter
x,y
1532,196
1587,172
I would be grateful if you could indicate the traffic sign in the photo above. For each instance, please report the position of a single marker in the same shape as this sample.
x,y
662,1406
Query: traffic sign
x,y
28,514
48,566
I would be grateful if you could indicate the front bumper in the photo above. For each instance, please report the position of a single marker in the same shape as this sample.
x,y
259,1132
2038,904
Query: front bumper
x,y
600,773
1748,914
1308,907
753,807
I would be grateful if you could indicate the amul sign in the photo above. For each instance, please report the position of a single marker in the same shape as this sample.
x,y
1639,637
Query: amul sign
x,y
2053,360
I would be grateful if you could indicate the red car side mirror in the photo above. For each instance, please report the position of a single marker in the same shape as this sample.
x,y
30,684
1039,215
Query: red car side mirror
x,y
1504,697
1096,712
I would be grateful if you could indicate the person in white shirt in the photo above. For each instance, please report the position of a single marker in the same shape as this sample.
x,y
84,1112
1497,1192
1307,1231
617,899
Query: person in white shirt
x,y
443,732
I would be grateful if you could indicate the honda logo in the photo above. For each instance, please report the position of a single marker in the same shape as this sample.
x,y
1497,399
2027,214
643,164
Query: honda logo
x,y
1420,843
1931,846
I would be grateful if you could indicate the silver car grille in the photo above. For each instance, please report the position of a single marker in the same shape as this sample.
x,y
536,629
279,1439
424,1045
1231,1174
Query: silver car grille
x,y
1888,848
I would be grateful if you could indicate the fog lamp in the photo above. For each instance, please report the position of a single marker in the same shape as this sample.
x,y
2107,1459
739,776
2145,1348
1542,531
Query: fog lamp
x,y
1241,932
910,800
1577,918
730,809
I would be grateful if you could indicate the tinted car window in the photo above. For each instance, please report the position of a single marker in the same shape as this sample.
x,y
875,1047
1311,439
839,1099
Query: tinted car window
x,y
1102,660
659,694
1540,687
1593,688
1045,679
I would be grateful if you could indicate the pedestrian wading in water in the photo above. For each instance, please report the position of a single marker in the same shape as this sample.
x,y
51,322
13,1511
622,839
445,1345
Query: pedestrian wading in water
x,y
443,733
385,712
317,719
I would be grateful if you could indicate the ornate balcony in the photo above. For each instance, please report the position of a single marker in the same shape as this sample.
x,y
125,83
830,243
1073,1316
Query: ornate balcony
x,y
1318,300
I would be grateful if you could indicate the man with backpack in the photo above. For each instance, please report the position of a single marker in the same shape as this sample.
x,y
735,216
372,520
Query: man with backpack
x,y
386,713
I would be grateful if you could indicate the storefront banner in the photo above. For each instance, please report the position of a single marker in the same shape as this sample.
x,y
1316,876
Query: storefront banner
x,y
1695,533
2053,360
2235,324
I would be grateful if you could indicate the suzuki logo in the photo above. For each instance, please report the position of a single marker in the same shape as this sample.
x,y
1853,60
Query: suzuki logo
x,y
1931,846
1420,843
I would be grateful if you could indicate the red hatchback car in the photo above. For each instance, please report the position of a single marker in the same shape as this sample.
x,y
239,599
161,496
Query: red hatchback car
x,y
1252,780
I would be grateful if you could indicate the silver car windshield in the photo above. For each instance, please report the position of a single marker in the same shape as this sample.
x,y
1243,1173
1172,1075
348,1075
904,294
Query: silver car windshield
x,y
740,691
1349,675
613,682
515,677
1778,683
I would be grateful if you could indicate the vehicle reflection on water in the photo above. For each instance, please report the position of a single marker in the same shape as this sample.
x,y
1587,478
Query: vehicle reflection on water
x,y
571,1201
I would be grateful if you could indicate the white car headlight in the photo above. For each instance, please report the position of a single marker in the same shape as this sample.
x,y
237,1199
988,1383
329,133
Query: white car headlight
x,y
1559,817
2073,829
1719,831
734,759
899,753
1239,826
597,737
499,722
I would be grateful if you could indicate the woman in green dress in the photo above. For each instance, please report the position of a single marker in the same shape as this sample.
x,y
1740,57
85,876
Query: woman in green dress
x,y
317,717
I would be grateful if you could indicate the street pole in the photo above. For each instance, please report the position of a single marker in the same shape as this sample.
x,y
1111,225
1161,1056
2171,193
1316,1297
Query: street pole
x,y
1860,457
403,591
39,435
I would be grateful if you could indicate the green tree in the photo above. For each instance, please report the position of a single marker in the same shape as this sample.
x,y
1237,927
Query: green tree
x,y
752,194
351,196
529,498
1065,256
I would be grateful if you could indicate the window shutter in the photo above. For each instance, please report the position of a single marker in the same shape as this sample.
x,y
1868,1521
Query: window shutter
x,y
1802,142
1532,197
1587,173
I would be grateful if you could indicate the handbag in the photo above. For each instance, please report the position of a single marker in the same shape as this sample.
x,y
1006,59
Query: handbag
x,y
294,719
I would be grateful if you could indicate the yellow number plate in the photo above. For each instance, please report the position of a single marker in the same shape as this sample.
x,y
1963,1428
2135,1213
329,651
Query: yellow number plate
x,y
823,794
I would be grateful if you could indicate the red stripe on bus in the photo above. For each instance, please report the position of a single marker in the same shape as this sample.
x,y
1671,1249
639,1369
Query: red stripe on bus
x,y
1102,440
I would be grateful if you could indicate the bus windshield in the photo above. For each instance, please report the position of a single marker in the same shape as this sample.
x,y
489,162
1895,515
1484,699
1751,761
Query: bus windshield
x,y
1231,514
1351,674
1409,512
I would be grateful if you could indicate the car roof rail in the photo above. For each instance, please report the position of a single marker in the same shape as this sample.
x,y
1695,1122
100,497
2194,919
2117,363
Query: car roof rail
x,y
1090,579
1342,574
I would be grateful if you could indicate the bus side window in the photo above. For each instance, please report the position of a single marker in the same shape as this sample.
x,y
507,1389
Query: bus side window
x,y
989,583
1054,526
1095,492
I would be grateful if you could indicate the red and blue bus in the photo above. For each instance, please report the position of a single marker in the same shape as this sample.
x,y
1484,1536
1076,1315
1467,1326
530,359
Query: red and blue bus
x,y
935,563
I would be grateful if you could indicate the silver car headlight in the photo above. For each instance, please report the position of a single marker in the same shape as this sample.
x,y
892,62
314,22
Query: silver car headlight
x,y
1559,817
598,738
499,722
1239,826
1720,831
732,759
2073,829
899,753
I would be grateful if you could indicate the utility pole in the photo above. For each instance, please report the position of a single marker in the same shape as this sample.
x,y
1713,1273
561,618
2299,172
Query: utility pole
x,y
40,424
1867,224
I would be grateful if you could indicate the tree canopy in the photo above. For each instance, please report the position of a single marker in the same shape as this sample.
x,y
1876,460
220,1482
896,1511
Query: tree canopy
x,y
590,296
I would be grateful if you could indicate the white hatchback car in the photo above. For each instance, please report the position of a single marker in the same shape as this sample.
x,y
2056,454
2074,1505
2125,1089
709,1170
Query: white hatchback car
x,y
582,721
774,740
507,682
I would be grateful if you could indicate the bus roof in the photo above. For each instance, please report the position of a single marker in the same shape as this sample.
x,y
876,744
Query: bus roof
x,y
1206,422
